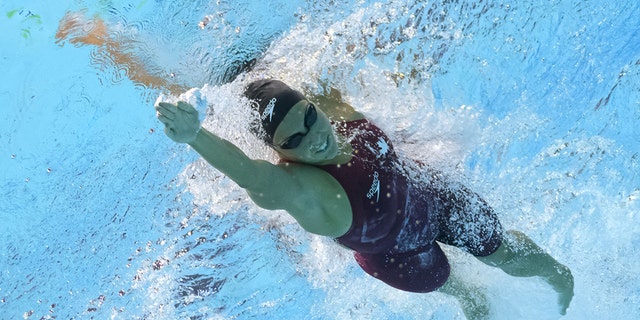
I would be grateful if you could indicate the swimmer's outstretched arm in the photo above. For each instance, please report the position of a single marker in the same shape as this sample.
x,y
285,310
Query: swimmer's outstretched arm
x,y
80,30
182,126
298,189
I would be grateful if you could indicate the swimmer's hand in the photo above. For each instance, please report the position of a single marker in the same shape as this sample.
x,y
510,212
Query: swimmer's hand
x,y
180,120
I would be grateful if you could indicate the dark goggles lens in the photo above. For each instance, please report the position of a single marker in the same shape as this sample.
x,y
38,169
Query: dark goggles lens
x,y
310,117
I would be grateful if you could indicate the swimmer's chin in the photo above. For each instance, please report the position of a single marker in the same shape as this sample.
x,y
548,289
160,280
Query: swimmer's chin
x,y
333,154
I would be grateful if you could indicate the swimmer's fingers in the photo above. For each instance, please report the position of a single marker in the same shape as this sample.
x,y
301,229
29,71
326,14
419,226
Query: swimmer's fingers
x,y
165,115
166,121
166,105
170,109
166,108
186,107
180,121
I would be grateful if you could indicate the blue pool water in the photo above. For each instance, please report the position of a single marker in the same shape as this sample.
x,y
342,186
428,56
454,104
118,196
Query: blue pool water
x,y
534,104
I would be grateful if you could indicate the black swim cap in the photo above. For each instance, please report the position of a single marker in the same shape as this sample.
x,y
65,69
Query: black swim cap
x,y
272,99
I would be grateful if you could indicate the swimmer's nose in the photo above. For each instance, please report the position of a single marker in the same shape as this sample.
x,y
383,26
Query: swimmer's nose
x,y
316,141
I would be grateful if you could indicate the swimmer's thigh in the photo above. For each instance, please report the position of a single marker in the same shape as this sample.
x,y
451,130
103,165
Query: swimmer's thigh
x,y
420,271
468,222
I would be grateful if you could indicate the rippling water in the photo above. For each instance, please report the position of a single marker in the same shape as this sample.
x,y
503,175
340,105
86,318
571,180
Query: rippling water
x,y
533,105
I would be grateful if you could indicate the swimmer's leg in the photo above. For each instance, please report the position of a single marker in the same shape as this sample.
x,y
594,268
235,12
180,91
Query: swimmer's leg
x,y
519,256
472,299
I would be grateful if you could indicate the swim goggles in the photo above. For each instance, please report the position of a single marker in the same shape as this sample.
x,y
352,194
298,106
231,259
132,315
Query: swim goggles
x,y
310,117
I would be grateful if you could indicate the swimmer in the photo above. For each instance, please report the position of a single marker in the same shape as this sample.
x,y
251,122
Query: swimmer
x,y
339,177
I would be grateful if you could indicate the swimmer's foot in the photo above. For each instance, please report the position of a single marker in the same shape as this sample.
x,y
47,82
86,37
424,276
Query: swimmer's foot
x,y
79,30
562,283
519,256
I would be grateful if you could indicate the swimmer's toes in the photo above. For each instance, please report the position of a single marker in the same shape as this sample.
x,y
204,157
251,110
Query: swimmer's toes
x,y
564,284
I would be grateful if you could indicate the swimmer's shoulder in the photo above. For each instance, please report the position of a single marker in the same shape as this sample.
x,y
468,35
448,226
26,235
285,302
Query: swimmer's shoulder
x,y
319,204
332,104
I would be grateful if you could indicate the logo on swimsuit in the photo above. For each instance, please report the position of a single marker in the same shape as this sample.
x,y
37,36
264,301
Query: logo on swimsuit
x,y
375,187
383,148
268,111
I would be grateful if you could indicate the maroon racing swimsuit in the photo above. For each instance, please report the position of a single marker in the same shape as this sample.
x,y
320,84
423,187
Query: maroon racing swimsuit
x,y
397,219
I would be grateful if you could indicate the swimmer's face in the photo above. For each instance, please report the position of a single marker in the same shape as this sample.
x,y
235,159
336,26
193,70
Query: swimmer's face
x,y
306,135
